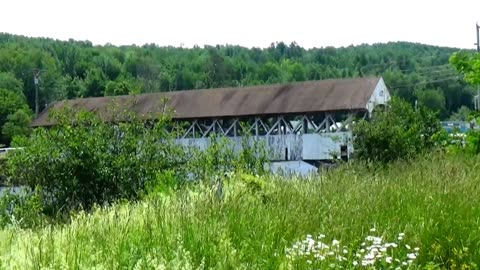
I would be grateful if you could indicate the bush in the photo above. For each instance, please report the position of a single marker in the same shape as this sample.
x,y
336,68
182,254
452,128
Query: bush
x,y
21,207
17,124
82,161
398,132
221,157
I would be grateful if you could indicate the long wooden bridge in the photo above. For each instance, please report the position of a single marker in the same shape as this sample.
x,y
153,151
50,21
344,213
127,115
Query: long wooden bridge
x,y
302,124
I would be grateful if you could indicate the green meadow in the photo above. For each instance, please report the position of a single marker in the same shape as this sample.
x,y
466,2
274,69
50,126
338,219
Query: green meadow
x,y
424,214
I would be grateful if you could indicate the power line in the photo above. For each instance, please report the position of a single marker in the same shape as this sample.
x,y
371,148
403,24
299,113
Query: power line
x,y
444,66
405,60
437,72
427,82
434,73
421,70
426,71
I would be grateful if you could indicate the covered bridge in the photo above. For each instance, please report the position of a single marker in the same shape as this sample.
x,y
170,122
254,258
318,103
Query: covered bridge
x,y
302,122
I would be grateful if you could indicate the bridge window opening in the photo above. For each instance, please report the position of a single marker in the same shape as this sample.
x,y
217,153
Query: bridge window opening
x,y
262,129
344,152
286,154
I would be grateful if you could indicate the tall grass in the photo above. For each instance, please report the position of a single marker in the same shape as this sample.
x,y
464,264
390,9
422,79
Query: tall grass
x,y
434,201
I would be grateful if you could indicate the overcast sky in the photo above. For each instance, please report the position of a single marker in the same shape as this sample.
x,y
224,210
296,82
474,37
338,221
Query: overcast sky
x,y
250,23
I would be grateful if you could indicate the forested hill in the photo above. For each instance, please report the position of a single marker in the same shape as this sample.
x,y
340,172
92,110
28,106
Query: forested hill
x,y
71,69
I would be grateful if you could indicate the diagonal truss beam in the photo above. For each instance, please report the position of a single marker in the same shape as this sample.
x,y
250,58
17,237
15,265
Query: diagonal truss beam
x,y
266,126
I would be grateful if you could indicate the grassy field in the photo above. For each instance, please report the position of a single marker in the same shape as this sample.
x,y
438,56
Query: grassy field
x,y
417,215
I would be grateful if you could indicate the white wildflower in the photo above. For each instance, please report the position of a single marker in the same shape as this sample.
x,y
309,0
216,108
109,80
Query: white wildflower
x,y
311,242
407,246
368,262
355,263
373,229
411,256
341,258
370,256
388,259
374,239
321,245
335,242
391,245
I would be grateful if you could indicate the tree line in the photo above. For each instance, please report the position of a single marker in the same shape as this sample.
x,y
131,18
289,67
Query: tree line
x,y
71,69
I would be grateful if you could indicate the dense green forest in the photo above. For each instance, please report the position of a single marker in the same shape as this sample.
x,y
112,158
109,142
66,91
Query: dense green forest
x,y
71,69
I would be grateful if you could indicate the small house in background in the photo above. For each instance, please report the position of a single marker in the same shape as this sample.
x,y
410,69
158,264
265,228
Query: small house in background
x,y
456,126
302,124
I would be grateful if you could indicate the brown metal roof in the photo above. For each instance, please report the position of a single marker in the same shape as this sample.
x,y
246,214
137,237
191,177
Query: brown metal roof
x,y
291,98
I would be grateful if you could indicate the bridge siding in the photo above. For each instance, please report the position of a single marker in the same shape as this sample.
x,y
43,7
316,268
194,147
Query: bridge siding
x,y
299,146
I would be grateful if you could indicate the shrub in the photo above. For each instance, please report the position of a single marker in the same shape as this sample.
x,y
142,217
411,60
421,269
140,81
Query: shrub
x,y
21,207
221,156
82,161
17,124
398,132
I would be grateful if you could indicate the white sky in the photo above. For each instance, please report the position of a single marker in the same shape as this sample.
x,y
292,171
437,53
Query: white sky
x,y
245,22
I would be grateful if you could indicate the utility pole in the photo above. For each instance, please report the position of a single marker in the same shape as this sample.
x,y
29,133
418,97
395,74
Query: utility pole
x,y
477,103
36,81
478,38
36,75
